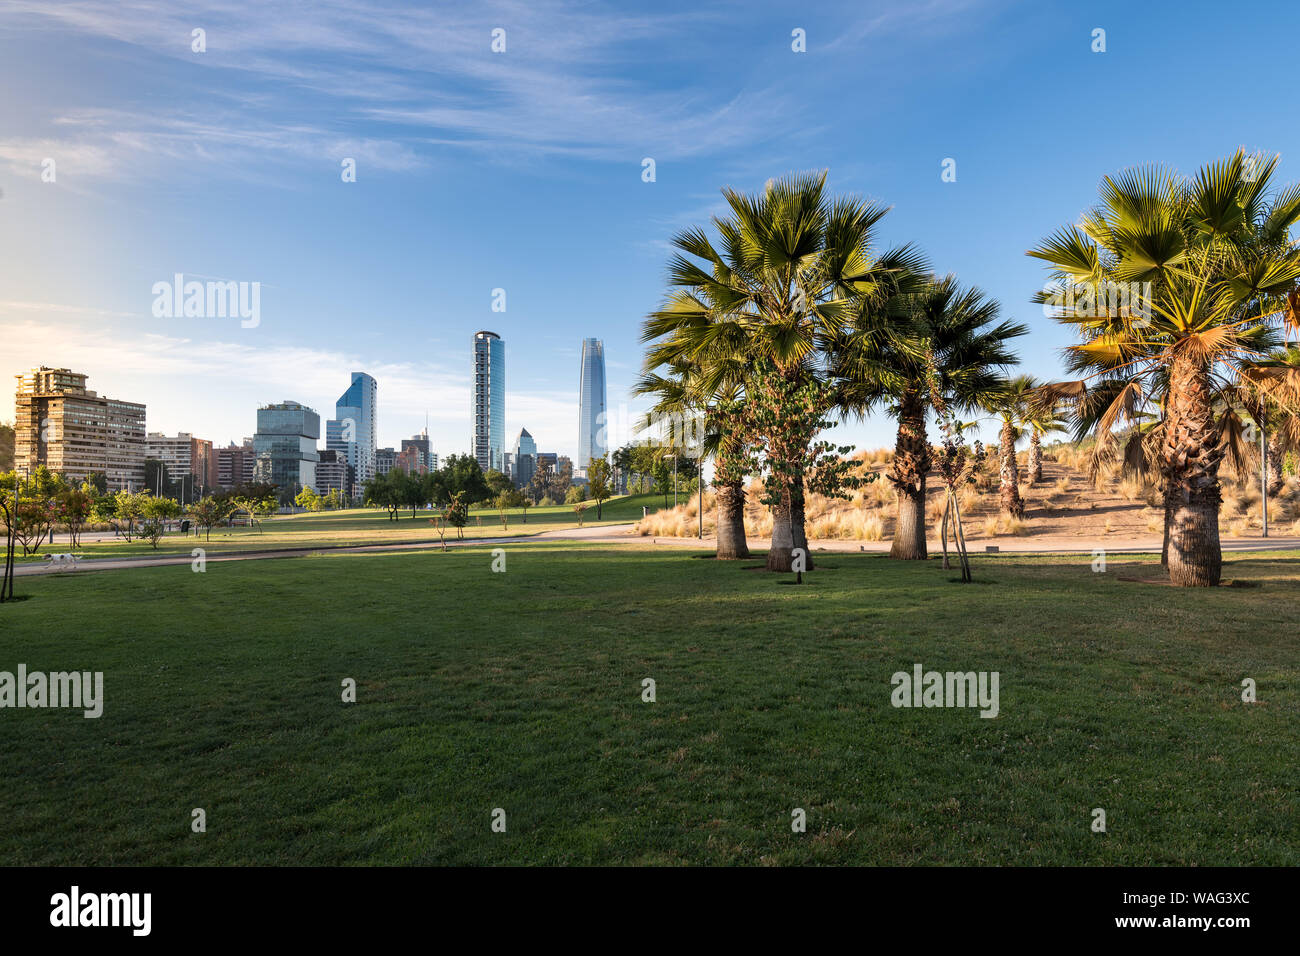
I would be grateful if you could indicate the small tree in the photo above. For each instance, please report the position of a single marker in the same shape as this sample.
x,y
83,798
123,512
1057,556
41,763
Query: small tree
x,y
456,513
308,499
208,512
580,509
154,515
75,506
129,507
598,479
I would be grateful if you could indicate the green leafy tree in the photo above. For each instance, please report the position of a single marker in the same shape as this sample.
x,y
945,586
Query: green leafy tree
x,y
598,482
155,512
208,512
75,506
307,498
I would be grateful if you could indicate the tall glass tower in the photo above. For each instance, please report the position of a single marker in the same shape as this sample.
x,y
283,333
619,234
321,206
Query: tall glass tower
x,y
352,431
591,404
489,401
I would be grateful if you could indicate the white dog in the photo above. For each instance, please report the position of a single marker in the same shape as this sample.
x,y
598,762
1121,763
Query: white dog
x,y
62,560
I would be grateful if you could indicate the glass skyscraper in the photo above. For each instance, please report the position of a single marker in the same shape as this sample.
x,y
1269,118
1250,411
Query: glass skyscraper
x,y
285,446
525,456
591,404
352,431
489,401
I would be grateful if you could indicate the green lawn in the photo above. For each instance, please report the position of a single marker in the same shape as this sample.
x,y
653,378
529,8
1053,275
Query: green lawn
x,y
360,526
522,691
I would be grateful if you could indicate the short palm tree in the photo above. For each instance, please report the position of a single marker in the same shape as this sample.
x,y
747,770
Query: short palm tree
x,y
1015,404
1216,251
1272,390
940,338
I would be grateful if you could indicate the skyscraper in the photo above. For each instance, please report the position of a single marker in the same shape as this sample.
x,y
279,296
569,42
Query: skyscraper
x,y
525,459
352,431
591,404
285,445
489,400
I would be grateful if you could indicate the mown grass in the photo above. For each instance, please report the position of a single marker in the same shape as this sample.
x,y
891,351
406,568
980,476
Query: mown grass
x,y
522,690
360,526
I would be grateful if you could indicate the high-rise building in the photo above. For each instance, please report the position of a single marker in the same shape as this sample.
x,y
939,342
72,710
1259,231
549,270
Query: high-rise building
x,y
489,400
285,445
235,464
385,458
422,457
524,459
591,404
62,425
352,430
190,462
332,473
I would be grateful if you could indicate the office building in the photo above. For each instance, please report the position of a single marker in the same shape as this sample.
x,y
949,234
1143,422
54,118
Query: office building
x,y
591,403
422,458
285,446
332,474
524,458
190,462
489,400
61,424
385,458
352,430
235,464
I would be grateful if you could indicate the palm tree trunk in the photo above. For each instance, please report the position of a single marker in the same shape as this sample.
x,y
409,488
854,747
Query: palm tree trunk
x,y
731,521
1190,457
780,555
1035,457
1275,479
1012,505
911,462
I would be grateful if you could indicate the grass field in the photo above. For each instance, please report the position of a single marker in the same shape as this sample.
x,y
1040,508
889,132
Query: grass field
x,y
522,690
359,526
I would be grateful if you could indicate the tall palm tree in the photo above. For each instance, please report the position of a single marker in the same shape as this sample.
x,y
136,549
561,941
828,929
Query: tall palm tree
x,y
793,269
940,342
1217,253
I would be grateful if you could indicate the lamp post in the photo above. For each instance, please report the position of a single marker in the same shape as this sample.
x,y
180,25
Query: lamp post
x,y
1263,477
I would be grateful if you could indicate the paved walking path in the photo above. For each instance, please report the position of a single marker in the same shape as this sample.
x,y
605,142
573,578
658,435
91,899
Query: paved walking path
x,y
623,534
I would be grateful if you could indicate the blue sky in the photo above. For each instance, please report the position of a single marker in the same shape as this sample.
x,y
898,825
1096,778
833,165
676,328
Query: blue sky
x,y
522,171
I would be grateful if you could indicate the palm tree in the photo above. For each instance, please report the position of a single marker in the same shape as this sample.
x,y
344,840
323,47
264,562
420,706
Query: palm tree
x,y
1217,255
939,343
1272,392
759,317
1014,404
679,396
1040,417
